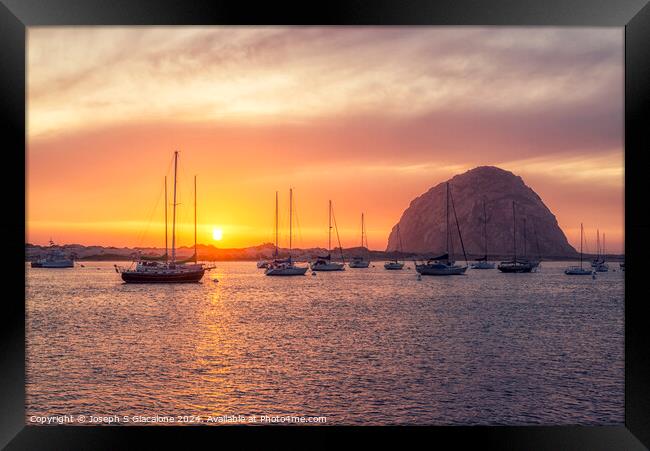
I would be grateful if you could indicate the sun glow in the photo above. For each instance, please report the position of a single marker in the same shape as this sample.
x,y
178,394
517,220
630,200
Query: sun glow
x,y
217,234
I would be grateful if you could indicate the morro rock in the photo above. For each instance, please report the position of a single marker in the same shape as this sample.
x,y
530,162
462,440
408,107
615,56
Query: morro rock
x,y
423,224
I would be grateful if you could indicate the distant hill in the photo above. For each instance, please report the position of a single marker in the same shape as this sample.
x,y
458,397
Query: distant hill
x,y
423,225
205,252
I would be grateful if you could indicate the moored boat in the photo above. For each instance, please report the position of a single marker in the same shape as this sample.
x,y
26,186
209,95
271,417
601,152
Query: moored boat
x,y
395,264
598,263
325,263
516,266
284,267
54,258
440,266
443,265
360,261
578,270
482,262
169,270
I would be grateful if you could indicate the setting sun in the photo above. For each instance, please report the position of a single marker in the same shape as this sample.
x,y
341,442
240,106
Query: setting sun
x,y
217,234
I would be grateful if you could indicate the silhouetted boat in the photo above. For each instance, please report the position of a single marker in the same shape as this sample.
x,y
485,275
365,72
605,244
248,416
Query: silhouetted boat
x,y
482,262
598,263
395,264
54,258
443,265
325,263
578,270
284,267
360,261
167,271
515,265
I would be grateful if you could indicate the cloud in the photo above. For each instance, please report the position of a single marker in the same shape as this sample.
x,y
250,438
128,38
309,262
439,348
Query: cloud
x,y
101,76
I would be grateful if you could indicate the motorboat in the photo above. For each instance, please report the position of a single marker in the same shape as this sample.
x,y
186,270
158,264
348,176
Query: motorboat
x,y
54,258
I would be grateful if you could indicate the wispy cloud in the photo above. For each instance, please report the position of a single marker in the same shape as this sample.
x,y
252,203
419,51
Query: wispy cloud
x,y
100,76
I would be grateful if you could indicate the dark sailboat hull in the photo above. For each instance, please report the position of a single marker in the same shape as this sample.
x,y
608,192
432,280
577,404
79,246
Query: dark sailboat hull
x,y
518,269
181,277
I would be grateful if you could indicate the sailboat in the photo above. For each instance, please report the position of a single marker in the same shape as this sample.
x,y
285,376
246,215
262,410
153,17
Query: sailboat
x,y
482,262
515,265
284,267
578,270
325,263
359,261
533,263
443,265
599,263
171,270
537,261
55,258
395,264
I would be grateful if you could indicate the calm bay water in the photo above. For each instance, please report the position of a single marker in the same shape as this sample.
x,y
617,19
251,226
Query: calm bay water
x,y
363,346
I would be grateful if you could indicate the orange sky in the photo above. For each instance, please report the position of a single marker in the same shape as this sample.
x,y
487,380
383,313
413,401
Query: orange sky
x,y
368,117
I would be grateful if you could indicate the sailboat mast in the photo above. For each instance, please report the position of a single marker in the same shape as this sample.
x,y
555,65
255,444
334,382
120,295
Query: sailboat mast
x,y
166,246
399,237
460,236
362,230
539,254
514,233
580,245
329,230
290,217
174,209
485,229
195,256
525,241
276,224
447,227
598,243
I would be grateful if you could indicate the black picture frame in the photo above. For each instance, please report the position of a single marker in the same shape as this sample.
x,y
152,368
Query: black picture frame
x,y
633,15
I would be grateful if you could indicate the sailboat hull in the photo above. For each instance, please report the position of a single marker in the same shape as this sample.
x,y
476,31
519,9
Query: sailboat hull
x,y
53,264
359,264
162,277
482,265
517,268
327,267
439,269
577,271
393,266
293,271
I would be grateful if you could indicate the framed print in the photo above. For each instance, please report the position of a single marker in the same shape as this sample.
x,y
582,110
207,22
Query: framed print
x,y
414,220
